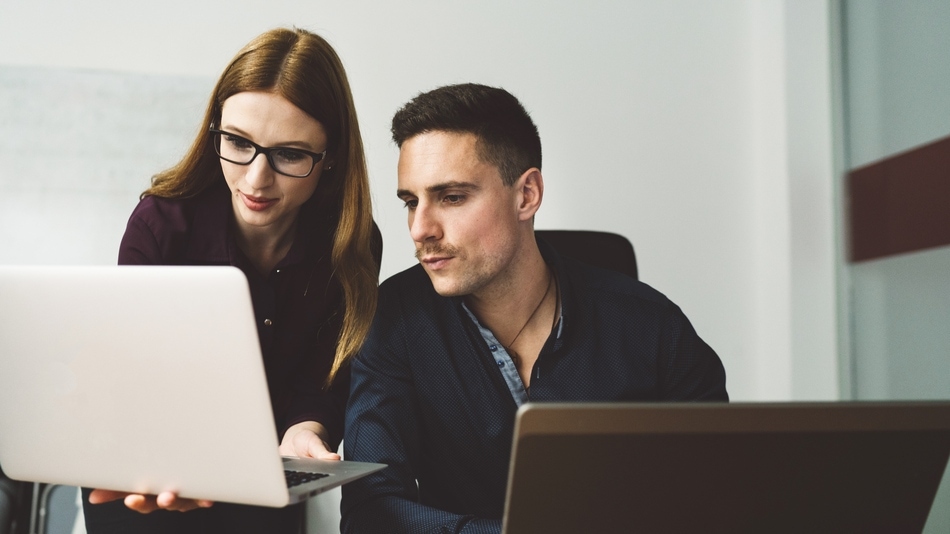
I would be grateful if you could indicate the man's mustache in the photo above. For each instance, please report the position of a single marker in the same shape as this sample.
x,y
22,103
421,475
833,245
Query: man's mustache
x,y
436,250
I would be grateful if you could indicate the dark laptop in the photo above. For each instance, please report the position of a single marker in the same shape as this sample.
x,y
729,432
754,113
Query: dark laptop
x,y
782,467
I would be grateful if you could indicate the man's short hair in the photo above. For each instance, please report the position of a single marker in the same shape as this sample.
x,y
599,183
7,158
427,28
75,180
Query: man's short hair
x,y
507,137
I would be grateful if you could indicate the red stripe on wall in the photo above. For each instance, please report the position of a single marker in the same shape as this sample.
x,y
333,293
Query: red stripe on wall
x,y
900,204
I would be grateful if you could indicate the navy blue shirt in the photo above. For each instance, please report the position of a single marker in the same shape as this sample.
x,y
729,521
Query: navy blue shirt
x,y
298,305
428,397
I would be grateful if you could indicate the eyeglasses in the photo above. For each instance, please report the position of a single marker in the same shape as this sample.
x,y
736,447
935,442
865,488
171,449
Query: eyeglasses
x,y
294,162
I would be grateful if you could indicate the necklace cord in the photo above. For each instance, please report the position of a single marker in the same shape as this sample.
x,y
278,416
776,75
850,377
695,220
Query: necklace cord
x,y
530,317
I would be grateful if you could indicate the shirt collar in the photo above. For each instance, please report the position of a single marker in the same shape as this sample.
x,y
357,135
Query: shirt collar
x,y
564,288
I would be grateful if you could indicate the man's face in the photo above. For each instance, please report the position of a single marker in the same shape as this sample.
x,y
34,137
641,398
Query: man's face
x,y
462,218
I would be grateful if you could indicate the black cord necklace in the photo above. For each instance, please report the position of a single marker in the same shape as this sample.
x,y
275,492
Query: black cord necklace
x,y
514,355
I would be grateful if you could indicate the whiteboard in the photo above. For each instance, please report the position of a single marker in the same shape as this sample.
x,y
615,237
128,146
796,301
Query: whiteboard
x,y
77,148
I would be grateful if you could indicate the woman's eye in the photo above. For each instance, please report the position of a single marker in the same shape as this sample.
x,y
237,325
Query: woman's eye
x,y
410,204
290,156
239,143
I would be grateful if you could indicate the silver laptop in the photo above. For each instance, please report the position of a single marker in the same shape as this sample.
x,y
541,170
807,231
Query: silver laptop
x,y
795,467
143,379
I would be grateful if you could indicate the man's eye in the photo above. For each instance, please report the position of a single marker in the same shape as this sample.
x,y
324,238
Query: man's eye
x,y
410,204
453,199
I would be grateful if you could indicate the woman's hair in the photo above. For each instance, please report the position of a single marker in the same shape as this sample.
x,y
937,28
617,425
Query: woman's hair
x,y
303,68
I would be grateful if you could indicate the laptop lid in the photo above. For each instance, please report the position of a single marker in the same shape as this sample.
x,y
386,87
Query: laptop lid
x,y
791,467
144,379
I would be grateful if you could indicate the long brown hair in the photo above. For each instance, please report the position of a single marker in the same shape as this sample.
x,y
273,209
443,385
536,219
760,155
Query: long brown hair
x,y
303,68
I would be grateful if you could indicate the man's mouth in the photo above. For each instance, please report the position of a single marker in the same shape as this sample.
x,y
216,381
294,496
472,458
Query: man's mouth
x,y
435,262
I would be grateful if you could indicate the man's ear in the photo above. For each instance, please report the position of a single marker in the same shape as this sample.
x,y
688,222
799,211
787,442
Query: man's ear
x,y
531,190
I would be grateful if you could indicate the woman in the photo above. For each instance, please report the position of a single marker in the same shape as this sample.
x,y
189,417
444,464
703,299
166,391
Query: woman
x,y
275,184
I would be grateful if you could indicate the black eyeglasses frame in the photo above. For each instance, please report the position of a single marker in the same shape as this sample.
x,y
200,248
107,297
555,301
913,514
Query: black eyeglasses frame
x,y
317,157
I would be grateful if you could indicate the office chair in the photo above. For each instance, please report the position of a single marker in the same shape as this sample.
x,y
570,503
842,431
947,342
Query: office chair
x,y
54,509
600,249
35,508
8,503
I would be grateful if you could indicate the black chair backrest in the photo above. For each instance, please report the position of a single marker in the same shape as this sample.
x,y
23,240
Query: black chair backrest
x,y
600,249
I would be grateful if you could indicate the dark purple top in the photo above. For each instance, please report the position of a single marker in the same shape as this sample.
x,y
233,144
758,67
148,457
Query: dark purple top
x,y
298,305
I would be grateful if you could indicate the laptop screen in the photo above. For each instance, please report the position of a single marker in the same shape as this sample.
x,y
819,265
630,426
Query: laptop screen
x,y
791,467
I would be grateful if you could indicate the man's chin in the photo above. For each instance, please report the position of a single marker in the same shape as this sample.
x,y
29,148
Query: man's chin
x,y
445,286
448,290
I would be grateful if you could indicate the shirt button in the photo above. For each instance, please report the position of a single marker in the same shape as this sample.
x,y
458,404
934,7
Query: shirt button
x,y
268,322
493,348
501,363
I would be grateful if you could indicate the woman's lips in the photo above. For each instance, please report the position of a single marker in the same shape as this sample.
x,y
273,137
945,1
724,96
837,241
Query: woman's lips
x,y
257,203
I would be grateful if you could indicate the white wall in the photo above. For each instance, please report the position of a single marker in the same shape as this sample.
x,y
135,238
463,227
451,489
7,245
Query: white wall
x,y
700,130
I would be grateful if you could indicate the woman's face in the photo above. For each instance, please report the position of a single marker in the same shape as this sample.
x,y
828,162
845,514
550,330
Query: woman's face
x,y
265,201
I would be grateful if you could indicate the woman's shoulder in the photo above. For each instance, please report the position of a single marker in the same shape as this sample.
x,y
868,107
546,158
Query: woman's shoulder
x,y
161,230
153,209
155,226
178,213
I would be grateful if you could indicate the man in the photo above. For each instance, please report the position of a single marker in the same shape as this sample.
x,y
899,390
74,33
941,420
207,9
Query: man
x,y
489,320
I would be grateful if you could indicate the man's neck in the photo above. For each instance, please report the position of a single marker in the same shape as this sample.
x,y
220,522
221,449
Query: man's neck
x,y
521,312
505,305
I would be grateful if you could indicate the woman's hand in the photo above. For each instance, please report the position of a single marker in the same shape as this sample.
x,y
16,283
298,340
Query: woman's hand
x,y
307,440
147,504
304,440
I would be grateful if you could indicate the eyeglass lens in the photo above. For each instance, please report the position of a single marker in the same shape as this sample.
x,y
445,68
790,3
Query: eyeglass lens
x,y
236,149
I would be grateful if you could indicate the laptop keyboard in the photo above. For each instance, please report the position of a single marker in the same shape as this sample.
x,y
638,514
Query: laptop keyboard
x,y
296,478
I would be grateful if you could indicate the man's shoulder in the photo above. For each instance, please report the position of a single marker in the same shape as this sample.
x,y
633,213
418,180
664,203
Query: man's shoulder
x,y
409,307
410,279
604,286
409,289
